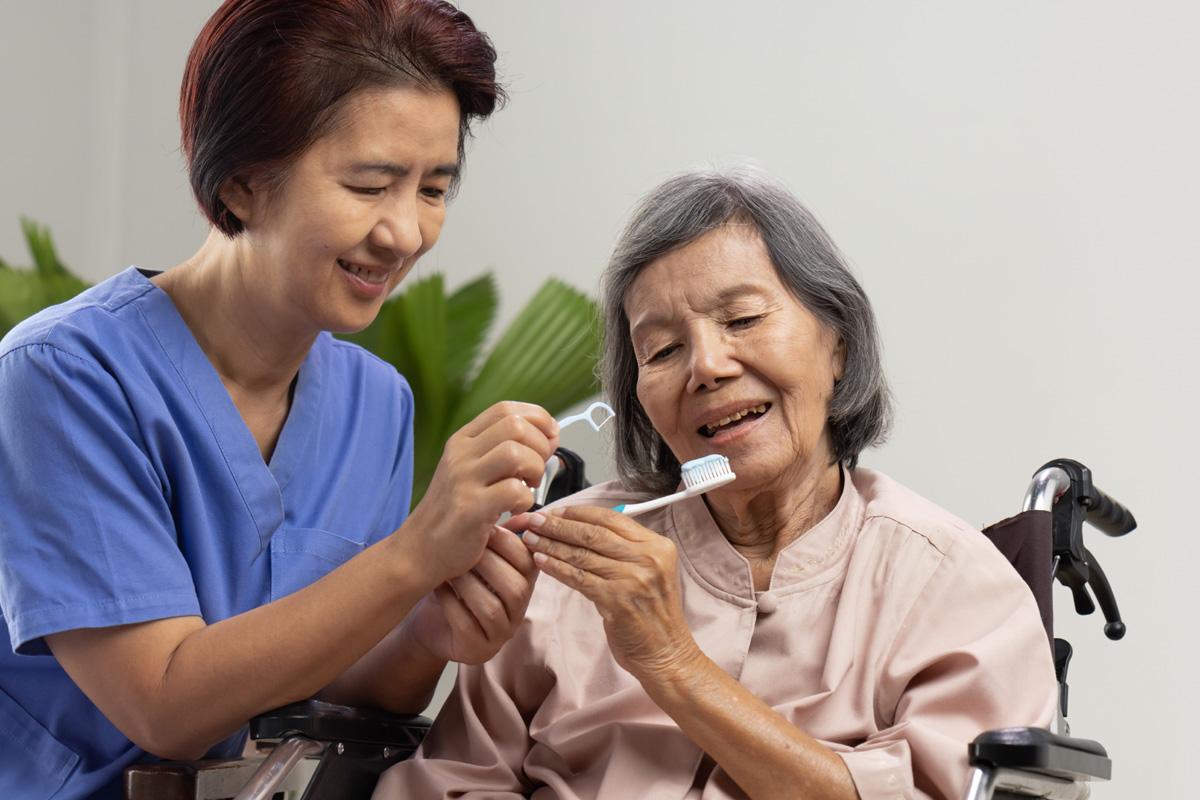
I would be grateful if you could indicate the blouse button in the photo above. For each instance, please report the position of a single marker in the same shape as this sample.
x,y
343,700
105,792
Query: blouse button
x,y
767,603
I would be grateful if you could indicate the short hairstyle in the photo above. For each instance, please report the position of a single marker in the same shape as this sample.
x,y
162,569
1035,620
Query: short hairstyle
x,y
267,78
807,262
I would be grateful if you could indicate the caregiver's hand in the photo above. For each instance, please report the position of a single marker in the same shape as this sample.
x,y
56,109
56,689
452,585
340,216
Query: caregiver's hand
x,y
486,470
631,575
468,619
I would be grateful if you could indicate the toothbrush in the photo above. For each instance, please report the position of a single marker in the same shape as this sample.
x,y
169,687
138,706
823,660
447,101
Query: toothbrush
x,y
699,476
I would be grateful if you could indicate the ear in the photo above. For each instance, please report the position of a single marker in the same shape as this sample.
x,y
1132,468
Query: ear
x,y
839,359
242,196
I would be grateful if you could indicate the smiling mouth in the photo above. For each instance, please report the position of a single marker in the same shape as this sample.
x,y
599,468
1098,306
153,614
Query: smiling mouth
x,y
376,277
733,420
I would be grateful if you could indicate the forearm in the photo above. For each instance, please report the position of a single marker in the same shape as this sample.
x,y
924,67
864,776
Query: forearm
x,y
182,685
289,649
728,723
397,675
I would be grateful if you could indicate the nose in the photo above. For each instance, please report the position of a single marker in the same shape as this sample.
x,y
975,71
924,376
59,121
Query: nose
x,y
398,229
711,360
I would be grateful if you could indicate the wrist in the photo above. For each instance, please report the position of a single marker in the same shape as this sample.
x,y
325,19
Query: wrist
x,y
417,652
673,669
413,563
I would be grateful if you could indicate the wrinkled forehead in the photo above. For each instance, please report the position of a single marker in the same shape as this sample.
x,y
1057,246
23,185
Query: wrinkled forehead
x,y
715,270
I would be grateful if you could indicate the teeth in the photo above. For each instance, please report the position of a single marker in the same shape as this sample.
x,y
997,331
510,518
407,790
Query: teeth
x,y
758,409
363,274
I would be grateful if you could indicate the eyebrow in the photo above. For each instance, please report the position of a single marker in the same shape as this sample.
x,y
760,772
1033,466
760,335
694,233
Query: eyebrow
x,y
450,171
656,319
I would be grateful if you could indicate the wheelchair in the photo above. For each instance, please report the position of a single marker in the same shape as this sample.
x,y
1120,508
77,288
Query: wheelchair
x,y
1033,762
320,751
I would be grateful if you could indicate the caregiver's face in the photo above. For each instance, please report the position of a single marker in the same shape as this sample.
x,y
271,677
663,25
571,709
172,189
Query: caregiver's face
x,y
729,361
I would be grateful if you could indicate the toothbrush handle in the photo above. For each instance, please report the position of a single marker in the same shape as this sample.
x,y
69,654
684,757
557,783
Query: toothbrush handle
x,y
650,505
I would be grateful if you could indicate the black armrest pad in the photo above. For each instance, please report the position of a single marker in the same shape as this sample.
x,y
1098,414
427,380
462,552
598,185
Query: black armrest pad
x,y
1039,750
327,722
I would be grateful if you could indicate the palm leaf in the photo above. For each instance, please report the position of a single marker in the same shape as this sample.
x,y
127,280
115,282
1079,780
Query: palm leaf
x,y
546,356
24,292
470,312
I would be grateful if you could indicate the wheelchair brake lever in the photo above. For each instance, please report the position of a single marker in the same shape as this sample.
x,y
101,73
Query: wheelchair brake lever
x,y
1114,628
1074,575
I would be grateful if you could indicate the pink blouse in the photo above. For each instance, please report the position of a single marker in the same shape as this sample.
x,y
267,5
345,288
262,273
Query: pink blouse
x,y
892,631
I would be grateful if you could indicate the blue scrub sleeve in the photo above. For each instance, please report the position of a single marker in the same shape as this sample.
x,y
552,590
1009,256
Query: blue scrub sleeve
x,y
86,534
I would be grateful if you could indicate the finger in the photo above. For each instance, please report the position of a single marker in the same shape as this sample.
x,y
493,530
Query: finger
x,y
596,538
507,545
484,419
510,459
504,420
586,560
587,584
511,494
517,524
621,524
458,618
512,587
487,609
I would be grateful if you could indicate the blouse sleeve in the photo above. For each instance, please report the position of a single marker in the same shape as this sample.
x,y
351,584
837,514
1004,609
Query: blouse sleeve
x,y
971,655
87,537
480,739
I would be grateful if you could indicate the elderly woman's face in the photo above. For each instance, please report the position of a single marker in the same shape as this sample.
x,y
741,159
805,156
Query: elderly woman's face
x,y
729,361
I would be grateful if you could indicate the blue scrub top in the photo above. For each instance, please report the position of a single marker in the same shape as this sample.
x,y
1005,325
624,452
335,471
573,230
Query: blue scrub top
x,y
131,490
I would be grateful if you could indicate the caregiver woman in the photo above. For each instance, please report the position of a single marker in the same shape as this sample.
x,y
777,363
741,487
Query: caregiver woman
x,y
205,495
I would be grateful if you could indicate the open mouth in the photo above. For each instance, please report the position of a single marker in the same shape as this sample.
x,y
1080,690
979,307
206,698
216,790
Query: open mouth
x,y
733,420
376,277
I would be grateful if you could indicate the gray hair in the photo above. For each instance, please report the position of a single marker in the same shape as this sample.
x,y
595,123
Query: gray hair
x,y
807,262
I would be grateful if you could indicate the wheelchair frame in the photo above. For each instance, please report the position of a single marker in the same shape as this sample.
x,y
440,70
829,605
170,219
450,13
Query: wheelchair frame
x,y
1032,762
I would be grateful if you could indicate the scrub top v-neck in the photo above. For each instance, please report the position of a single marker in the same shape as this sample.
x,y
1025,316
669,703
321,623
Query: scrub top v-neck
x,y
132,490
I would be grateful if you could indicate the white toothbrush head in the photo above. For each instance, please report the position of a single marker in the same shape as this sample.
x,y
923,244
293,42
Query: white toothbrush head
x,y
704,474
699,476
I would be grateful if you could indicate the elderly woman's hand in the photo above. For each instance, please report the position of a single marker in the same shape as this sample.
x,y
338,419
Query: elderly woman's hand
x,y
631,575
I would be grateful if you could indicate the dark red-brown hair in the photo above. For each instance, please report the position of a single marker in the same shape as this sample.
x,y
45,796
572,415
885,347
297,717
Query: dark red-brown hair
x,y
266,78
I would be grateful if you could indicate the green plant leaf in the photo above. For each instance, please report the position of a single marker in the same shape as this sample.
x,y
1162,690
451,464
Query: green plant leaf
x,y
546,356
470,312
24,292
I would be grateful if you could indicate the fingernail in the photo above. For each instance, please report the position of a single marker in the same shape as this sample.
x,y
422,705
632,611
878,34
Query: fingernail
x,y
531,538
537,520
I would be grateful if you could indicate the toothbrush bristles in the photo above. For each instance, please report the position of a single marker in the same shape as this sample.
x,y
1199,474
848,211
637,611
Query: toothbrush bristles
x,y
702,470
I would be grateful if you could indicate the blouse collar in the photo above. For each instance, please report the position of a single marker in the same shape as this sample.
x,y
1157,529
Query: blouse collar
x,y
811,558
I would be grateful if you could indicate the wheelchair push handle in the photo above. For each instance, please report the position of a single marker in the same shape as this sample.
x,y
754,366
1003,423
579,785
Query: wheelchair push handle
x,y
1064,488
1107,515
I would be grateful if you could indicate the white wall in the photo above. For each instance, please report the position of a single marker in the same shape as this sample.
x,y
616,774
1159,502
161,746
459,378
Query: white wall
x,y
1015,184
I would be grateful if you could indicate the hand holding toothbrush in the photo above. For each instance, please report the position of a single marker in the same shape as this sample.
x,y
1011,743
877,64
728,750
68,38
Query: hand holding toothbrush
x,y
631,575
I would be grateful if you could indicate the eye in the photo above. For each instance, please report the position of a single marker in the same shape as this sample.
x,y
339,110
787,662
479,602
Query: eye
x,y
367,190
434,192
745,322
659,355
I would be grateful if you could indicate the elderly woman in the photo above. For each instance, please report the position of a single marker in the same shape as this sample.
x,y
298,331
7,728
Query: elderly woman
x,y
812,629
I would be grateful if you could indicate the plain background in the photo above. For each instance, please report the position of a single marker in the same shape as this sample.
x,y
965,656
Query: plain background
x,y
1016,185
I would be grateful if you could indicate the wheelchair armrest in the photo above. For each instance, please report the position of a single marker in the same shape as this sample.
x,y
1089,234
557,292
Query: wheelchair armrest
x,y
327,722
1038,750
361,744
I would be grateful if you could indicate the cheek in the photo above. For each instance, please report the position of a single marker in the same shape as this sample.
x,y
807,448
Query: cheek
x,y
653,392
431,228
